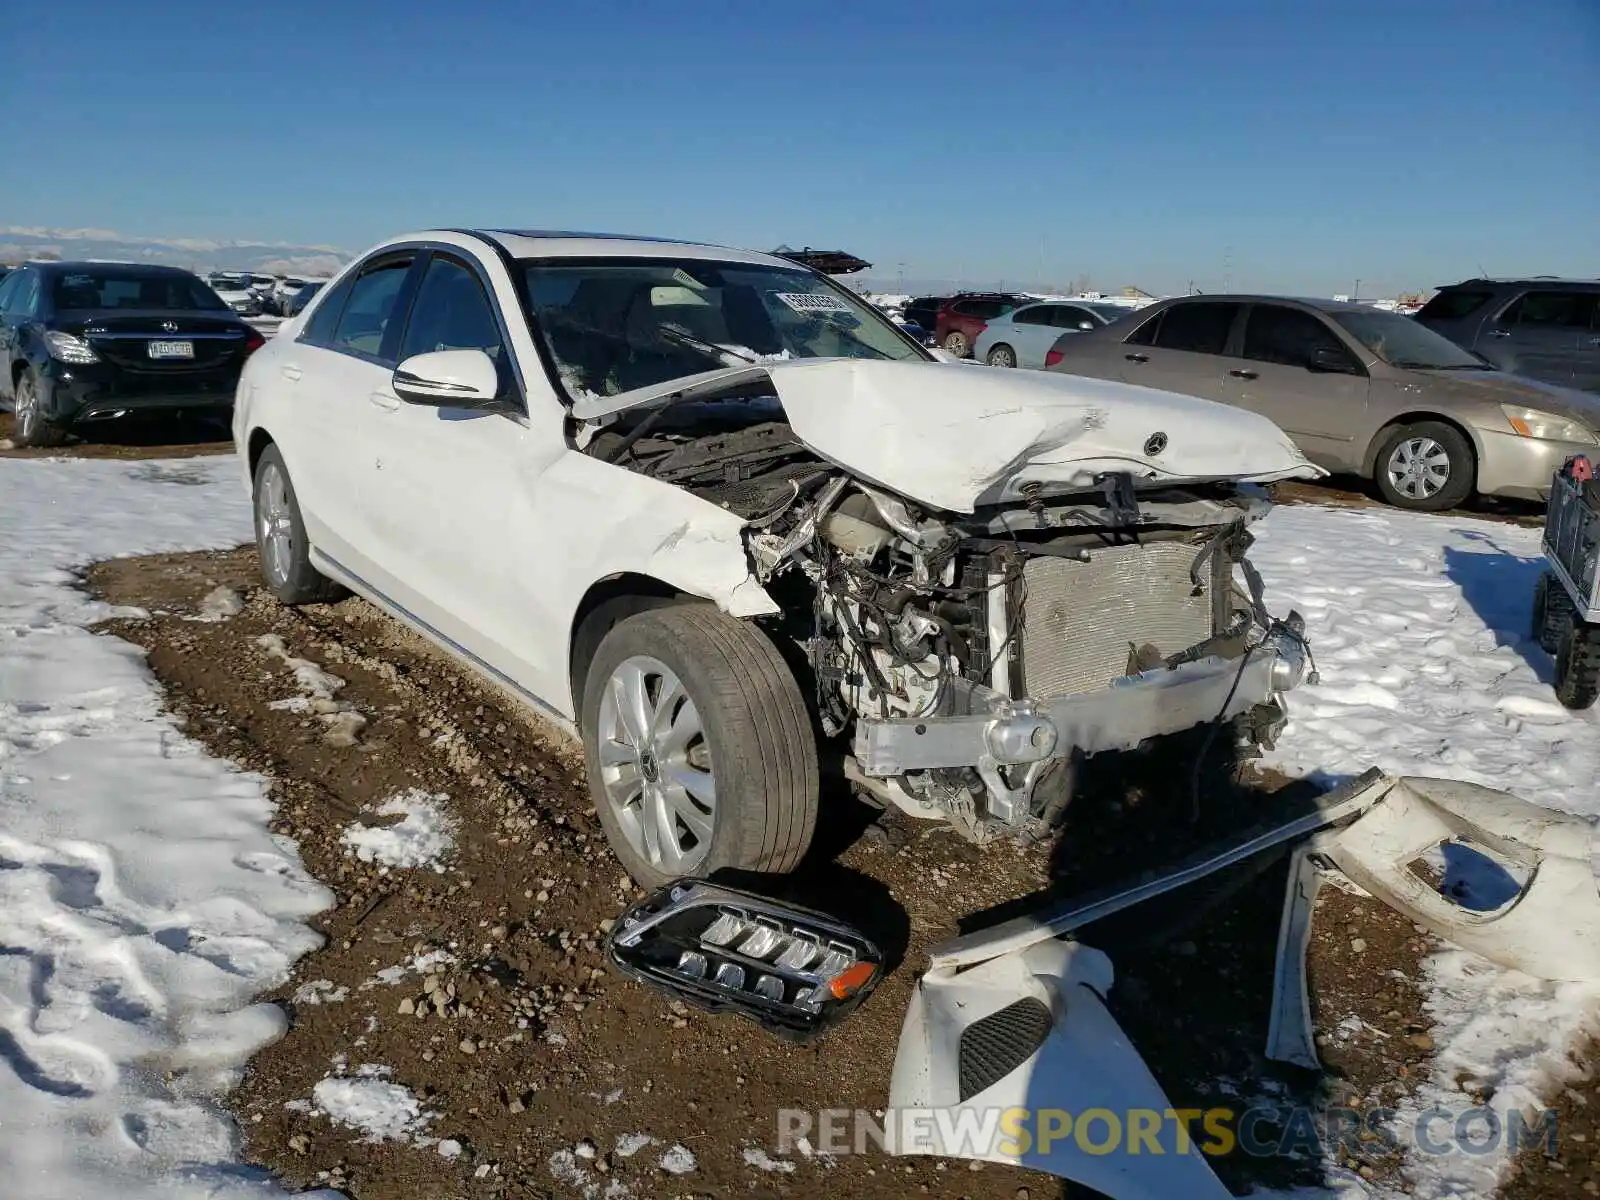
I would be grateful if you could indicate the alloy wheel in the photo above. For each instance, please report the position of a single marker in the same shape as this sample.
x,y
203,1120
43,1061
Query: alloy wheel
x,y
26,410
655,765
275,521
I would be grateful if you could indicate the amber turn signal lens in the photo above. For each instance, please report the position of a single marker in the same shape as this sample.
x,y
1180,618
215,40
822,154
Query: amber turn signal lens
x,y
849,981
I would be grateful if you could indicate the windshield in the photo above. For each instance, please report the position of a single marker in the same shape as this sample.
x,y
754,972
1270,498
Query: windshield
x,y
85,290
613,325
1403,342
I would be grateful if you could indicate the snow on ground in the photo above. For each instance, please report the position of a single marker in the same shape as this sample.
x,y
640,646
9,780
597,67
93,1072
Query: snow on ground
x,y
1420,628
421,839
143,902
368,1102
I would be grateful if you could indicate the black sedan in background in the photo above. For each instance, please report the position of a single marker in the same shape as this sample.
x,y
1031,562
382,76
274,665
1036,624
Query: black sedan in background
x,y
87,342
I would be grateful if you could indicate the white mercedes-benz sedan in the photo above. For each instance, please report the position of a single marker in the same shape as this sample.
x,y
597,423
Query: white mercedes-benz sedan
x,y
714,515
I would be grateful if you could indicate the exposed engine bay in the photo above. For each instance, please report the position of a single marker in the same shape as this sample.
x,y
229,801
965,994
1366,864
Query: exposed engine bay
x,y
972,659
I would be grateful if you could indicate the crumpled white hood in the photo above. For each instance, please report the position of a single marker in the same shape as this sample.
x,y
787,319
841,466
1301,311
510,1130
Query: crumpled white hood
x,y
957,436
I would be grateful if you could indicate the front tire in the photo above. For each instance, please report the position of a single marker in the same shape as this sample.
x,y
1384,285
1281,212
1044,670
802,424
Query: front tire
x,y
1002,355
282,546
1426,467
29,426
701,754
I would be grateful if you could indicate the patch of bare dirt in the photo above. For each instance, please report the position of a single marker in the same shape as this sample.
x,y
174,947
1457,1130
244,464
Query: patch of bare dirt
x,y
544,1067
133,437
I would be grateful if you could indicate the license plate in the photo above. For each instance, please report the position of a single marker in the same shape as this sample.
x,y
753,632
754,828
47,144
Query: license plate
x,y
171,349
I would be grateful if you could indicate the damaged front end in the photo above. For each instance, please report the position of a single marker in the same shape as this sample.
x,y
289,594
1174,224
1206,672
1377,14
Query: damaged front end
x,y
1079,601
971,660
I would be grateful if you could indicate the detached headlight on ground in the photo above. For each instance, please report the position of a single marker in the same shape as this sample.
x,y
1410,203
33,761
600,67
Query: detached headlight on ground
x,y
1549,427
794,970
69,348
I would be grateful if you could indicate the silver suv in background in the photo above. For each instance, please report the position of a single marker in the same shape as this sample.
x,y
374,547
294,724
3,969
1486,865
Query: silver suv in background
x,y
1360,390
1547,329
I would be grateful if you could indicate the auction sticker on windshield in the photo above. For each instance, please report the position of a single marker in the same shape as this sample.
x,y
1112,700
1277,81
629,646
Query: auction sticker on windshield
x,y
810,303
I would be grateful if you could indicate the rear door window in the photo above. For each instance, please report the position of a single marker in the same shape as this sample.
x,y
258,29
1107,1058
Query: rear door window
x,y
1453,305
1068,316
371,308
1551,310
1200,328
320,324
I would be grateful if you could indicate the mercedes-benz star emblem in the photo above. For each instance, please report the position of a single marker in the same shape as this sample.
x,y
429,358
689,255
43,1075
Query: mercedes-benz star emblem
x,y
1155,444
169,327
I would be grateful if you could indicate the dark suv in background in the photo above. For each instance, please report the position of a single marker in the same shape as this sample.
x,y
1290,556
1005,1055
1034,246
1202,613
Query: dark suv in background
x,y
83,342
963,318
1545,329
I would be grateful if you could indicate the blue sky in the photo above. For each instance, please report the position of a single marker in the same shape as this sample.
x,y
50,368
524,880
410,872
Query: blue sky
x,y
1270,144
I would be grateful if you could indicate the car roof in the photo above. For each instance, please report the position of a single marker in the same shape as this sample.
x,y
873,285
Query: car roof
x,y
150,270
1317,302
560,243
1521,281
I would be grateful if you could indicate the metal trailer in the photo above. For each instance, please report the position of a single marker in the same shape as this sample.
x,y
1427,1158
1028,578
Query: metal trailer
x,y
1566,600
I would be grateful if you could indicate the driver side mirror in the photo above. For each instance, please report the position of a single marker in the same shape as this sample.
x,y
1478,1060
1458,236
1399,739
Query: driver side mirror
x,y
1086,326
1328,361
450,379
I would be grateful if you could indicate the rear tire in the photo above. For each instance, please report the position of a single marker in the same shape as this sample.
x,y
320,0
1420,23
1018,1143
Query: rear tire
x,y
1578,664
1549,605
29,426
1001,355
721,712
282,546
955,342
1426,467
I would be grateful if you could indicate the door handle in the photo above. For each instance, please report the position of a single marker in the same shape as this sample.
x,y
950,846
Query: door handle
x,y
290,371
384,401
1137,357
1244,374
1497,333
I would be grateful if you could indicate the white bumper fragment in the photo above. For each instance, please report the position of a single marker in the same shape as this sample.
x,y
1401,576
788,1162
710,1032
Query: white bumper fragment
x,y
1007,1037
1017,1061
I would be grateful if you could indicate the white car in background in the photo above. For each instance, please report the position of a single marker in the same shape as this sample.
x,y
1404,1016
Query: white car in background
x,y
236,294
1023,336
716,516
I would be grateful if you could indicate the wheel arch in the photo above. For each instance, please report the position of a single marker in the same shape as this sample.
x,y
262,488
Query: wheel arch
x,y
608,602
1369,462
260,439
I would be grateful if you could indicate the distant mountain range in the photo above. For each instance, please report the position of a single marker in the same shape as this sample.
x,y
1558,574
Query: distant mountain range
x,y
18,242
